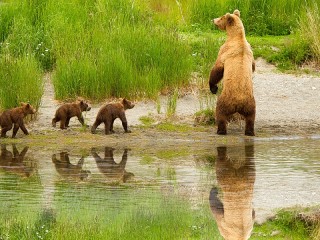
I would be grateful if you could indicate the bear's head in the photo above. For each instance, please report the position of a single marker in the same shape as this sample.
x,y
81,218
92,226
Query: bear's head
x,y
127,104
229,22
27,108
84,106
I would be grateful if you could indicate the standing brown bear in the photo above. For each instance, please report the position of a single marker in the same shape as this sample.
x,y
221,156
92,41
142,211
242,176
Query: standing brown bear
x,y
235,64
14,117
110,112
69,110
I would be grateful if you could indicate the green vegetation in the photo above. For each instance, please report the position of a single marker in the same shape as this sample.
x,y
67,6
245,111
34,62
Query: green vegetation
x,y
205,117
147,120
20,81
286,225
138,48
170,127
261,17
105,217
172,103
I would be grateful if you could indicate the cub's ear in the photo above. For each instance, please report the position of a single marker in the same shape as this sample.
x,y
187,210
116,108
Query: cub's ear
x,y
27,105
230,19
236,12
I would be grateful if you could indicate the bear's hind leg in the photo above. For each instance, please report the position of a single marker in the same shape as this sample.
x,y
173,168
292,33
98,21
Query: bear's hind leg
x,y
249,130
107,126
95,125
221,120
4,130
63,123
67,122
222,127
111,127
54,121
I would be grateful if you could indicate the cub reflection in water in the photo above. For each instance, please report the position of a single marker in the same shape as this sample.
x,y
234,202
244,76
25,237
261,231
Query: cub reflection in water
x,y
14,162
235,171
69,170
109,167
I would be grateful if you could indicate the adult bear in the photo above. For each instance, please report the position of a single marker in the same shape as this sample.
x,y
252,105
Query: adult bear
x,y
235,64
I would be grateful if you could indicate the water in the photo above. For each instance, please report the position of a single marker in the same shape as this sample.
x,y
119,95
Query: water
x,y
248,181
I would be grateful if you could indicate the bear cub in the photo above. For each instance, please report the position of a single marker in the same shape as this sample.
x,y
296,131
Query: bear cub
x,y
110,112
69,110
14,117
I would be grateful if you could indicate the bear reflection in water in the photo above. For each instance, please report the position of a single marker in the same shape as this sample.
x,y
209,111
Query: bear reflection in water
x,y
69,170
14,162
235,171
109,167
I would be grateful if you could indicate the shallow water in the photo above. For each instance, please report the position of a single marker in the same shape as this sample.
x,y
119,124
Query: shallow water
x,y
259,176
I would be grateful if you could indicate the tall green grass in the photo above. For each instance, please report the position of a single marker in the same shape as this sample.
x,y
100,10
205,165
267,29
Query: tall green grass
x,y
260,17
101,49
112,49
21,58
20,81
309,29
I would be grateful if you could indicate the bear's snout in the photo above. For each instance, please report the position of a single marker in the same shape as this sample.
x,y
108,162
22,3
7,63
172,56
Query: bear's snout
x,y
131,105
215,21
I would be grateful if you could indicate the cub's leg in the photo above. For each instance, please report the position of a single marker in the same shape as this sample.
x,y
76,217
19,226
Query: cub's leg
x,y
95,125
111,126
15,130
67,122
63,123
4,130
107,125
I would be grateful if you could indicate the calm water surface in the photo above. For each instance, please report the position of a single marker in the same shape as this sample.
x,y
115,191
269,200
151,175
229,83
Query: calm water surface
x,y
249,180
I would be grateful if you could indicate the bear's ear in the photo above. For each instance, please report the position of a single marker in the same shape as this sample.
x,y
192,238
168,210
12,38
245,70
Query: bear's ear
x,y
230,19
236,12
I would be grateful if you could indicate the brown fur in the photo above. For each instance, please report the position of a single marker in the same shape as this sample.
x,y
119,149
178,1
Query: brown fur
x,y
235,171
235,64
14,117
110,112
69,110
109,167
69,170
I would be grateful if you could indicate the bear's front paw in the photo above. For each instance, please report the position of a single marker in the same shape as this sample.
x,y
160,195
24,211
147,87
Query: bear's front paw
x,y
214,89
128,131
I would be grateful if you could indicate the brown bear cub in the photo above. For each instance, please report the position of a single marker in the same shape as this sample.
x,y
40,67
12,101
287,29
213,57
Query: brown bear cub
x,y
69,110
14,117
110,112
235,64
